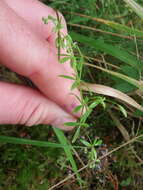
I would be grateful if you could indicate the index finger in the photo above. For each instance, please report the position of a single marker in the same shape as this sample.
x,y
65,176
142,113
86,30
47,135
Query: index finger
x,y
26,53
33,12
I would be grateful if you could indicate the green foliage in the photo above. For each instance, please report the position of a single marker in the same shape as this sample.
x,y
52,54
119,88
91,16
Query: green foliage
x,y
38,164
15,140
63,140
107,48
25,167
136,7
84,117
126,182
91,151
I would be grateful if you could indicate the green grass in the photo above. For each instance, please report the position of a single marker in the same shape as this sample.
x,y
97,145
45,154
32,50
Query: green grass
x,y
39,157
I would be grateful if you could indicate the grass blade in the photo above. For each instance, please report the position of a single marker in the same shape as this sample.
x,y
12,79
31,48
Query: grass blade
x,y
15,140
64,142
115,25
109,49
130,80
136,7
101,31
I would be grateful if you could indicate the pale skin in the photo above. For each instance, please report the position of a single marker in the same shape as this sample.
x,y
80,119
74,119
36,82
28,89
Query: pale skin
x,y
27,46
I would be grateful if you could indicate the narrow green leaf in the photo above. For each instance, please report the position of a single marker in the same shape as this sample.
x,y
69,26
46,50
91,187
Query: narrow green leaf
x,y
71,124
75,85
78,19
122,109
130,71
130,80
64,59
109,49
94,154
67,77
120,27
95,103
76,135
45,20
84,124
85,143
97,142
15,140
76,124
64,142
136,7
127,30
78,108
124,86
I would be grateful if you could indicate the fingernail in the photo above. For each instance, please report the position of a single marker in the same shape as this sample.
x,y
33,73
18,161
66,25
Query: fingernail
x,y
59,123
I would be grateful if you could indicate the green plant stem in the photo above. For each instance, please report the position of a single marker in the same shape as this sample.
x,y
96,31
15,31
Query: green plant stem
x,y
100,158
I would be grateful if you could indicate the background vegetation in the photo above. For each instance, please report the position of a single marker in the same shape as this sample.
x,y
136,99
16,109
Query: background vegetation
x,y
110,36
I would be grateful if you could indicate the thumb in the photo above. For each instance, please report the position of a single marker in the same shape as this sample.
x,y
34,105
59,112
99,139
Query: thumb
x,y
23,105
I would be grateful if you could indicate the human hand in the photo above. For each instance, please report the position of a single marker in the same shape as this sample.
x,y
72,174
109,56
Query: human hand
x,y
27,46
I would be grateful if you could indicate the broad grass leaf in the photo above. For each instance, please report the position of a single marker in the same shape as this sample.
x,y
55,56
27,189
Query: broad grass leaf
x,y
130,71
64,142
109,49
124,86
135,7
